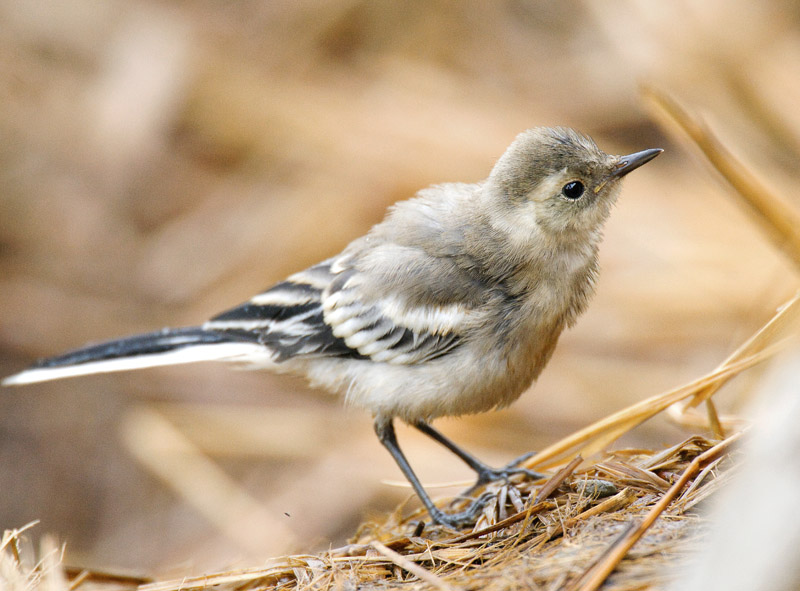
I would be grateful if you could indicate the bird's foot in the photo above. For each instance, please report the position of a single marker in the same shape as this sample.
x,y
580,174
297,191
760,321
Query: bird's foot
x,y
487,474
463,518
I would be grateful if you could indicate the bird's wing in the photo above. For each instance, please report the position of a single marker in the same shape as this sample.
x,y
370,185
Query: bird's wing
x,y
333,309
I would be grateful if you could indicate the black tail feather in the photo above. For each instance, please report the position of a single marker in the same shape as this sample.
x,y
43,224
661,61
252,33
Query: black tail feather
x,y
162,341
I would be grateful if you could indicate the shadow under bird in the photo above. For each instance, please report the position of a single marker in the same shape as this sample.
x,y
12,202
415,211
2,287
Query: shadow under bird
x,y
451,305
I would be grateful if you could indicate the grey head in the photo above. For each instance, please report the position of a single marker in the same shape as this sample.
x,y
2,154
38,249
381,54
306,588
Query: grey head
x,y
560,174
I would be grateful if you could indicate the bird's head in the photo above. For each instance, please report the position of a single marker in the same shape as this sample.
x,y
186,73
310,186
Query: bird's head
x,y
556,181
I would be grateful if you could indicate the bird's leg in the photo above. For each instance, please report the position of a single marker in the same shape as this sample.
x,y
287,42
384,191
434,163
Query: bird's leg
x,y
385,431
485,473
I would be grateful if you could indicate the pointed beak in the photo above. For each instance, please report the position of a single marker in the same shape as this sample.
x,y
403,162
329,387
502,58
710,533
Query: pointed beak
x,y
633,161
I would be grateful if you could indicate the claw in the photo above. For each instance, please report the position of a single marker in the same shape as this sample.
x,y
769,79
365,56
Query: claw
x,y
517,461
491,474
463,518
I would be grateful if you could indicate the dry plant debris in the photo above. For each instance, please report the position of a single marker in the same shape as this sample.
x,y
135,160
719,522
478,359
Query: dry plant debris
x,y
534,535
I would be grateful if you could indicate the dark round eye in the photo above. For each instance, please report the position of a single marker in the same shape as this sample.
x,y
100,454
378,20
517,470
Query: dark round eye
x,y
573,190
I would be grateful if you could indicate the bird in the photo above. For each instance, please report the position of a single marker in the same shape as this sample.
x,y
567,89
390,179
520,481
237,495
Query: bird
x,y
452,305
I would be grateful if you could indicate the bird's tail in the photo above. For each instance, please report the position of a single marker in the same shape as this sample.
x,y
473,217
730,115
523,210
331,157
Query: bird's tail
x,y
165,347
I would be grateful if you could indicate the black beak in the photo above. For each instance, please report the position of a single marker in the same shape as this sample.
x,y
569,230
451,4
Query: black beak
x,y
634,161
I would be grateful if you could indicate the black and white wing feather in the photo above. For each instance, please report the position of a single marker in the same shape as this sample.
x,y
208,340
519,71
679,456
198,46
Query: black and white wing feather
x,y
386,329
325,311
288,318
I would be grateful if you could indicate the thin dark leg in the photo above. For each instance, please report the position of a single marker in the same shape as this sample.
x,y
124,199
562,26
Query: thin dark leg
x,y
485,473
385,431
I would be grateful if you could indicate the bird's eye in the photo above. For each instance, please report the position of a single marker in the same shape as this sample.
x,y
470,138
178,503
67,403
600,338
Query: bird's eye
x,y
573,190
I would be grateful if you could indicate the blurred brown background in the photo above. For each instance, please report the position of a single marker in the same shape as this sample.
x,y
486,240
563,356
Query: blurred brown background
x,y
161,161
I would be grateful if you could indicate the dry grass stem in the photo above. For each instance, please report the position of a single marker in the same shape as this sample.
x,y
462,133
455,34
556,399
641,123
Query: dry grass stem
x,y
785,320
601,434
413,568
778,219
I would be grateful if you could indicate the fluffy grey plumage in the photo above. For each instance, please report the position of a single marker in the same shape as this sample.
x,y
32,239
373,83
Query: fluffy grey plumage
x,y
452,305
